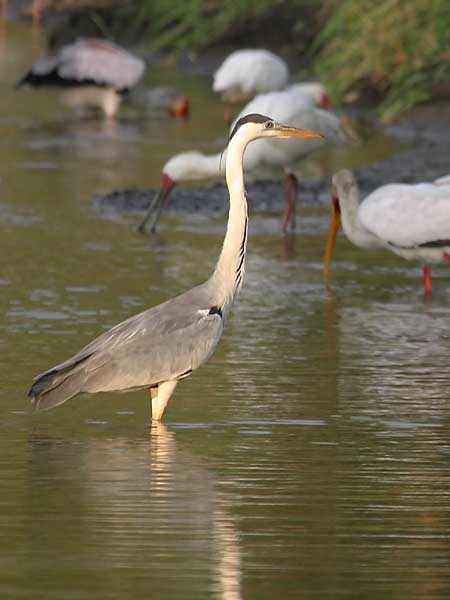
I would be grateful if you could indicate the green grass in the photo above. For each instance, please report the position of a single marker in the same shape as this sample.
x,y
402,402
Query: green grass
x,y
399,49
191,24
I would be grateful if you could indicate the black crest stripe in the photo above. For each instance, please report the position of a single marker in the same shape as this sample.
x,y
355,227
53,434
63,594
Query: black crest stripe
x,y
251,118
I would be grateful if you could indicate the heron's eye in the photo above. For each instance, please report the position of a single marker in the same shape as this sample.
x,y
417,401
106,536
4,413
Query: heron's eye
x,y
269,125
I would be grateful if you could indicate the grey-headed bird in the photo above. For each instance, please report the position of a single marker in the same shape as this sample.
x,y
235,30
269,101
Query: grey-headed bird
x,y
164,344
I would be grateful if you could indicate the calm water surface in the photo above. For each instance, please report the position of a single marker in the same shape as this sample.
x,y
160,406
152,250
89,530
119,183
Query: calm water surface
x,y
310,458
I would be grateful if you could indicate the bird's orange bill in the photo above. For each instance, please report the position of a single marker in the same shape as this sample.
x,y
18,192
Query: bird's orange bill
x,y
334,226
286,131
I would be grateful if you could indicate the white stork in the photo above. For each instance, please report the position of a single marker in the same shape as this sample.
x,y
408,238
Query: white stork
x,y
89,72
412,221
248,72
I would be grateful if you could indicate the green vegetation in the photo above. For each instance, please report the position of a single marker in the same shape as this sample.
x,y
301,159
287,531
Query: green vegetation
x,y
192,24
396,49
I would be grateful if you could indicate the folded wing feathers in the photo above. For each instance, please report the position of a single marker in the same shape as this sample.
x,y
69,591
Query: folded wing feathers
x,y
424,207
95,61
153,346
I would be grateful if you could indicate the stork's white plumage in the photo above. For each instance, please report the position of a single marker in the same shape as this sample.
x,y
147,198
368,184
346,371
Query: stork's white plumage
x,y
444,180
90,71
412,221
296,105
247,72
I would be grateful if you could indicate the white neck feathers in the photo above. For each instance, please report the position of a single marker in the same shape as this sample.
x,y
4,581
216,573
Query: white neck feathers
x,y
229,271
355,231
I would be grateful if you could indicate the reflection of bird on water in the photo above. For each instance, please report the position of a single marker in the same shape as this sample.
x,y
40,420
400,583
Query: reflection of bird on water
x,y
296,105
395,357
89,72
146,504
160,346
412,221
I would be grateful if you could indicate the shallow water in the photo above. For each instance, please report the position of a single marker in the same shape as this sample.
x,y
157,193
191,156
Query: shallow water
x,y
309,458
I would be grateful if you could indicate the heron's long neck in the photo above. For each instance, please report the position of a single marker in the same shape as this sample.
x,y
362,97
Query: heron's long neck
x,y
229,272
351,223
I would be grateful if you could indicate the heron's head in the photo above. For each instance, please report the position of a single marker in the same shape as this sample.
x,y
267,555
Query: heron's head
x,y
255,126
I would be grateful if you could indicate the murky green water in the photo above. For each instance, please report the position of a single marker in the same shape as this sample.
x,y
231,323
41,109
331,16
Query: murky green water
x,y
310,458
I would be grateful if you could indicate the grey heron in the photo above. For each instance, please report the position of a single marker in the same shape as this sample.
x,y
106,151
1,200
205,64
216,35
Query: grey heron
x,y
413,221
164,344
296,105
89,72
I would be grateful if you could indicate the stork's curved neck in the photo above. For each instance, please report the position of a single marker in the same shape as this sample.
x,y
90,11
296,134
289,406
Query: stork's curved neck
x,y
349,203
211,165
229,272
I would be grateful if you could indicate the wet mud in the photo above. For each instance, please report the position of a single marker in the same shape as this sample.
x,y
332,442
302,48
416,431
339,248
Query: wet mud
x,y
425,132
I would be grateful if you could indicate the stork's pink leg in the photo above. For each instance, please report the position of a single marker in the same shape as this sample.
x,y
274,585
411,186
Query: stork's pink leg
x,y
427,279
291,197
36,11
228,115
3,19
446,256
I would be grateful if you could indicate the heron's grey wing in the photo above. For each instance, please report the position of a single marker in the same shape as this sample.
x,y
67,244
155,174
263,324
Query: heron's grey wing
x,y
177,346
101,62
164,342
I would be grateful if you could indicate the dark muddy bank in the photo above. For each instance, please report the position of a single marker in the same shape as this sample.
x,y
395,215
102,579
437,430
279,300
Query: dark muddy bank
x,y
426,131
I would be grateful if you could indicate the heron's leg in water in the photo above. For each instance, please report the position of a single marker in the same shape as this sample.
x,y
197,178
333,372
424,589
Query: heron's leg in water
x,y
160,398
291,198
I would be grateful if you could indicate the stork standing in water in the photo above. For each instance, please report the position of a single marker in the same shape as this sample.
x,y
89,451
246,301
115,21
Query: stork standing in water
x,y
296,105
412,221
160,346
89,72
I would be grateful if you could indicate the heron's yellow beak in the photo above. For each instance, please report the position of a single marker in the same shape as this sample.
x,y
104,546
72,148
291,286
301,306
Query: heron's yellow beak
x,y
286,131
334,226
